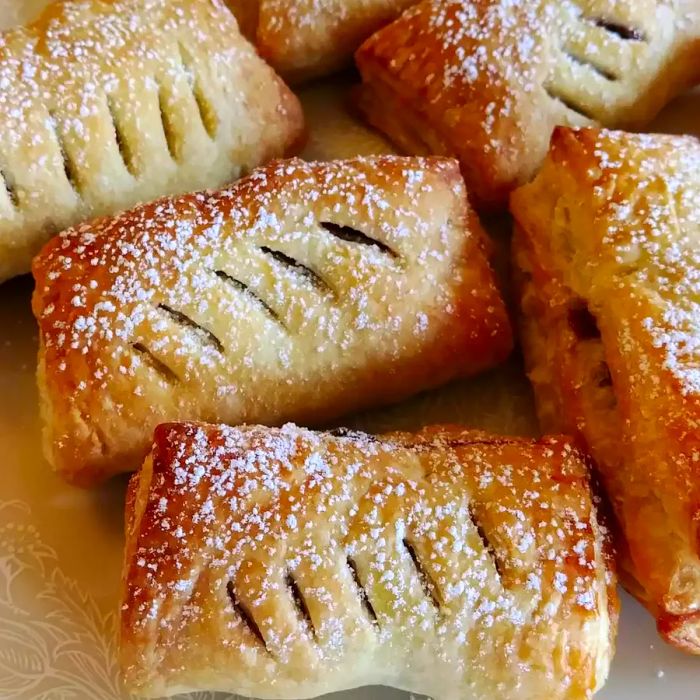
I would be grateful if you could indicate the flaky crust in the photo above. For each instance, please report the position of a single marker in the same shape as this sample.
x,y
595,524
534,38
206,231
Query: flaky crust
x,y
608,248
487,80
303,39
106,104
283,563
303,292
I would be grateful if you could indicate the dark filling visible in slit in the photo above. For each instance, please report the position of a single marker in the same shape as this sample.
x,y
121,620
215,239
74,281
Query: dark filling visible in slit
x,y
245,615
602,377
207,113
583,61
583,323
351,235
295,265
364,598
343,432
300,603
158,365
429,586
171,138
69,168
122,144
568,103
245,289
488,547
10,189
624,32
184,320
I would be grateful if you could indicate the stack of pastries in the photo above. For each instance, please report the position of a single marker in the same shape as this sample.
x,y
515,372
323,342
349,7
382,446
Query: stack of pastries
x,y
192,332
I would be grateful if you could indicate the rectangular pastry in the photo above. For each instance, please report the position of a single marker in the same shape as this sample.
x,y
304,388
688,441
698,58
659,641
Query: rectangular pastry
x,y
607,245
303,39
106,104
284,563
303,292
486,81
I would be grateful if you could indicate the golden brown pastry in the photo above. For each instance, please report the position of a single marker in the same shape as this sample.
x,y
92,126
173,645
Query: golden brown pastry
x,y
283,563
105,104
308,38
487,80
305,291
608,247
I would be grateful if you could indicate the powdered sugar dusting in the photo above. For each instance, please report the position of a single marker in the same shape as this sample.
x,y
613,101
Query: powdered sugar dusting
x,y
241,305
434,549
488,81
103,105
653,234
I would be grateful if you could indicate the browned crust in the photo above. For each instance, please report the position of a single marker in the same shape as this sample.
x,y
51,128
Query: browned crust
x,y
359,325
572,247
530,498
489,80
122,102
306,39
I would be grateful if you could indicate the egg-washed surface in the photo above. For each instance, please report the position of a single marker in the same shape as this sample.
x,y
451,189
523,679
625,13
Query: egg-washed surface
x,y
284,563
55,515
310,38
305,291
103,105
486,81
607,241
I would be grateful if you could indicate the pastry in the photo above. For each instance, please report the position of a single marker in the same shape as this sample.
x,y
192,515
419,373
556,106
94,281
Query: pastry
x,y
608,247
305,291
487,80
106,104
306,38
283,563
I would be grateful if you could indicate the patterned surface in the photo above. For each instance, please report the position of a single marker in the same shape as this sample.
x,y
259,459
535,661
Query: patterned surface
x,y
61,548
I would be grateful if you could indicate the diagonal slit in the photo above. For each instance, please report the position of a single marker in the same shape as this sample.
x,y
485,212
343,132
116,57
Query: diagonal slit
x,y
351,235
207,113
245,615
588,63
122,143
302,269
10,189
364,598
245,289
582,322
158,365
488,547
171,138
69,167
184,320
569,104
428,584
300,603
621,30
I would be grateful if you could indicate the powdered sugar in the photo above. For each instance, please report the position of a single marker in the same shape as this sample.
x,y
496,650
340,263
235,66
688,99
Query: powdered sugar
x,y
301,274
392,547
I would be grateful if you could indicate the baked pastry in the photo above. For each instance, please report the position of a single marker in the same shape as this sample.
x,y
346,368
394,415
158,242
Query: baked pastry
x,y
283,563
608,247
105,104
302,292
487,80
303,39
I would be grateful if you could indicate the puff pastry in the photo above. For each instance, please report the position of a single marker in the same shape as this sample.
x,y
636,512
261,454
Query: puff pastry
x,y
608,247
105,104
304,291
303,39
487,80
283,563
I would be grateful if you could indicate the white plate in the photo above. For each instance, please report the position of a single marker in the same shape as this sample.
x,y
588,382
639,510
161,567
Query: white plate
x,y
61,548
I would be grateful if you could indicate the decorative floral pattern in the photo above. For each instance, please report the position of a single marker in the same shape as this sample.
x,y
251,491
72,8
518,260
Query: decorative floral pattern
x,y
55,643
